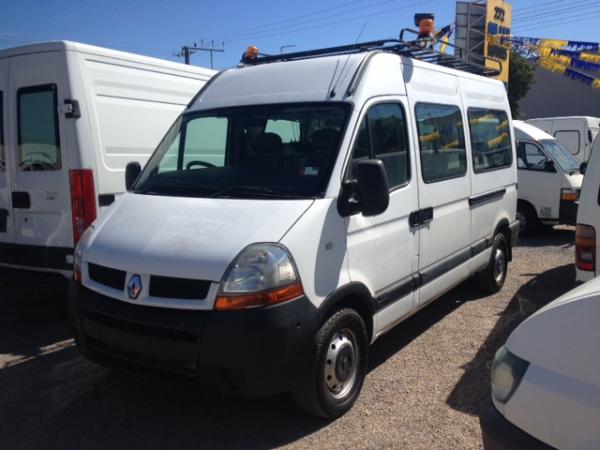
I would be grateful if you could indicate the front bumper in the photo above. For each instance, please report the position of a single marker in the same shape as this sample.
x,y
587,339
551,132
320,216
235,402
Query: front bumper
x,y
500,434
249,352
567,214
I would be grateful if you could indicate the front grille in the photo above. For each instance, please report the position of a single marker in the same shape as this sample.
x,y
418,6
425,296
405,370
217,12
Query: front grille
x,y
183,288
105,275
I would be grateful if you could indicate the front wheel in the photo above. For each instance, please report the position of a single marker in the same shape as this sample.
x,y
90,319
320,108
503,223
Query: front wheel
x,y
338,366
491,279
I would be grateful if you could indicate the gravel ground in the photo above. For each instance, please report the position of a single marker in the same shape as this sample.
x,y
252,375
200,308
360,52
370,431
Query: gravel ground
x,y
428,379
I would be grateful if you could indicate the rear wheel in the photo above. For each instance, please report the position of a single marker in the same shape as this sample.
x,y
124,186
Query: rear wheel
x,y
528,220
492,278
338,366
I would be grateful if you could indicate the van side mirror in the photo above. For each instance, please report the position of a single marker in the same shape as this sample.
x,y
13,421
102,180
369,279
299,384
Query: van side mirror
x,y
373,188
132,171
549,166
583,168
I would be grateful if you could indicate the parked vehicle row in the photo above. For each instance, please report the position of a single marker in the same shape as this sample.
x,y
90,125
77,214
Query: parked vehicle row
x,y
71,117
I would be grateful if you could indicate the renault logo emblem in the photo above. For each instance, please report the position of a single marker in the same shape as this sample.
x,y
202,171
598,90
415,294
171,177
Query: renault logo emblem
x,y
134,287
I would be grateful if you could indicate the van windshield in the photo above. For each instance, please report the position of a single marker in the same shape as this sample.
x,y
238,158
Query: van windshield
x,y
273,151
561,155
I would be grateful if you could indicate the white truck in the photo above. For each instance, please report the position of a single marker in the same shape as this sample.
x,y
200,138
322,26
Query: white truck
x,y
549,179
577,133
300,208
71,117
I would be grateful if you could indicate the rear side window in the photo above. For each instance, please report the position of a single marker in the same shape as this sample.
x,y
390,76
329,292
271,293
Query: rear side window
x,y
570,139
37,114
2,157
490,139
441,142
382,135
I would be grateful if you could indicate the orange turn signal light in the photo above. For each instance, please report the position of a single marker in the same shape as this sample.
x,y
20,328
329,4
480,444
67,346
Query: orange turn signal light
x,y
569,196
259,299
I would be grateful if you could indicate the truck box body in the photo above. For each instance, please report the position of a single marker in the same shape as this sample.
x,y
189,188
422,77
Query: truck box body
x,y
72,116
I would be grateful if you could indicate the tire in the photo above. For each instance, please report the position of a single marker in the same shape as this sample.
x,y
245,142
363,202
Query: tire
x,y
528,219
492,278
338,366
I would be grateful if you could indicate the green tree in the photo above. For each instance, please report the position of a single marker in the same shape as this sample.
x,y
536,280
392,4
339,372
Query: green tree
x,y
520,80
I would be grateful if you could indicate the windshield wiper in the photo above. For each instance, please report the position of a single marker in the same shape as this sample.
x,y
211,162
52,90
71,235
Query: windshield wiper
x,y
256,190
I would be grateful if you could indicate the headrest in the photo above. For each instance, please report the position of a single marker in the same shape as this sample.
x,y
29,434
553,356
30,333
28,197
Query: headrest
x,y
268,143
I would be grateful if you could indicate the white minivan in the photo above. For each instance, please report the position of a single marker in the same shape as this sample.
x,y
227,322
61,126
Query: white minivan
x,y
549,179
576,133
71,117
301,207
587,248
546,379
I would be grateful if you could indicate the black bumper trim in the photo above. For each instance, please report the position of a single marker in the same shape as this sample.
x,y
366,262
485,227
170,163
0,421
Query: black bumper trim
x,y
252,352
35,256
567,214
500,434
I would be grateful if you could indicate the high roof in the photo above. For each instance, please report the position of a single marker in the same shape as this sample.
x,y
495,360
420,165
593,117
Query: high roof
x,y
63,46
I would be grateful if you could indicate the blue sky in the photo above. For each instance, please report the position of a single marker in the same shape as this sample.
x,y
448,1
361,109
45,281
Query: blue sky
x,y
160,28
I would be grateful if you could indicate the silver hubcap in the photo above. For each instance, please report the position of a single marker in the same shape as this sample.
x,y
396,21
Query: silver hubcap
x,y
341,363
499,265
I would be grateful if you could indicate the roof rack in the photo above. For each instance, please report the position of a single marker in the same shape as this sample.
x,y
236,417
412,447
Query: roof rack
x,y
421,49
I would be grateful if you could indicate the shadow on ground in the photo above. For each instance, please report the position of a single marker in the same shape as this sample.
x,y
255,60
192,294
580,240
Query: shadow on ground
x,y
472,392
60,400
559,236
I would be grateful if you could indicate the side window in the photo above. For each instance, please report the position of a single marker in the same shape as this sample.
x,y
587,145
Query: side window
x,y
569,139
441,142
383,135
37,115
530,157
288,130
2,160
490,139
205,142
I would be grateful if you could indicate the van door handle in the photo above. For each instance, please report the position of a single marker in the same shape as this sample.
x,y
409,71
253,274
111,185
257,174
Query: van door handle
x,y
420,217
3,220
21,200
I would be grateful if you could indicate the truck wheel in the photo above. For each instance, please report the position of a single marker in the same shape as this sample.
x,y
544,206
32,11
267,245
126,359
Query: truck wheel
x,y
528,220
338,366
491,279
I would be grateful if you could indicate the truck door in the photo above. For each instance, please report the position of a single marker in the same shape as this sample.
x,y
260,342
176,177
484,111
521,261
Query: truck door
x,y
40,173
383,250
444,217
6,214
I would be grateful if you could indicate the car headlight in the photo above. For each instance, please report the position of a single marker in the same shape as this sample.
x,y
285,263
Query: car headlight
x,y
261,275
507,373
78,253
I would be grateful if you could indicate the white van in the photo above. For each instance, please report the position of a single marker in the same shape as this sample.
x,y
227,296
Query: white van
x,y
546,378
549,179
71,117
301,207
577,133
587,233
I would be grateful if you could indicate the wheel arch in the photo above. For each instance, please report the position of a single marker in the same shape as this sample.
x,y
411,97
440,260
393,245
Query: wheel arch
x,y
353,295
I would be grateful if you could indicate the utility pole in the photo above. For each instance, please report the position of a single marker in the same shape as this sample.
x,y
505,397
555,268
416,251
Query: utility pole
x,y
187,51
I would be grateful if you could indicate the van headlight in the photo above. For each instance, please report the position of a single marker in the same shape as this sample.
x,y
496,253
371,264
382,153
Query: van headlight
x,y
261,275
507,373
78,252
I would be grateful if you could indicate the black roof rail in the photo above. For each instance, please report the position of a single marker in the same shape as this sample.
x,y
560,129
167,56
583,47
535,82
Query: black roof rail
x,y
420,49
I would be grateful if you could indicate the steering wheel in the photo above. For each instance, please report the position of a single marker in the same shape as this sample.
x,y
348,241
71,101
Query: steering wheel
x,y
189,165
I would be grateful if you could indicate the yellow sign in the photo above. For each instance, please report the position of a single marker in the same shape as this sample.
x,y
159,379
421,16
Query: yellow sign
x,y
497,25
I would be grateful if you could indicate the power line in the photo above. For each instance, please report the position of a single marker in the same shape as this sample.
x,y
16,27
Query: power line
x,y
581,17
258,27
187,51
352,19
518,10
554,12
279,27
